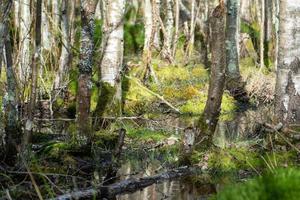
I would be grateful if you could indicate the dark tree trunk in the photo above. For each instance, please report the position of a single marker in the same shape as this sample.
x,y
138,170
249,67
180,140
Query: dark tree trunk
x,y
217,76
12,137
12,130
88,8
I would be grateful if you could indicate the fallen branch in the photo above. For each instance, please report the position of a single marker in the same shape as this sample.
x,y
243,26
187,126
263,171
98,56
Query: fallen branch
x,y
128,185
154,94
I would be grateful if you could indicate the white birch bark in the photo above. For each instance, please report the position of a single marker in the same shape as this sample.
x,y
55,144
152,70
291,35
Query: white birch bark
x,y
156,24
177,16
98,13
46,34
25,40
262,36
64,60
56,14
168,38
287,102
16,9
113,50
148,24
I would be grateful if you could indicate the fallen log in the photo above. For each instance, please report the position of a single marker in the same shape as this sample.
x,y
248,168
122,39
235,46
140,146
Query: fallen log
x,y
128,185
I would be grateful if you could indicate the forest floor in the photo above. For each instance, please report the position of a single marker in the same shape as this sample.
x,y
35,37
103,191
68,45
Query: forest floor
x,y
244,146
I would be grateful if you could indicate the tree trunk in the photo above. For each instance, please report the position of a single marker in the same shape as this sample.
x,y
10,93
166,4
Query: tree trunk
x,y
109,101
46,34
233,77
34,75
217,76
148,25
56,14
12,138
98,12
156,25
268,32
262,33
64,61
85,71
168,38
12,129
25,38
287,100
176,36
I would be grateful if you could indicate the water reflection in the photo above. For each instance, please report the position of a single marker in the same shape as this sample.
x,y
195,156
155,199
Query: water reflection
x,y
183,189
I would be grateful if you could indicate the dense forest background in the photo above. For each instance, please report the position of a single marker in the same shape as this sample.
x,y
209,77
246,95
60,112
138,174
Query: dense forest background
x,y
96,94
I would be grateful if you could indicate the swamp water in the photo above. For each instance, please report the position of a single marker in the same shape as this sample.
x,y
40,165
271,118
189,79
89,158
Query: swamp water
x,y
143,156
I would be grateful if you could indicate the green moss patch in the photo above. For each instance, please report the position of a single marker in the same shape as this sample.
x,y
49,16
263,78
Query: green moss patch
x,y
282,184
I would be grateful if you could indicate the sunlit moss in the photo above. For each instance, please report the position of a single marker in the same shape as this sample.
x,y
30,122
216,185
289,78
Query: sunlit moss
x,y
228,107
173,73
147,135
228,159
194,106
282,184
200,72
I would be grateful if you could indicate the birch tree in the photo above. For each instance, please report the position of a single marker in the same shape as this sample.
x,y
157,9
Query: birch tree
x,y
262,35
169,26
24,38
85,70
156,23
46,38
287,101
111,65
65,56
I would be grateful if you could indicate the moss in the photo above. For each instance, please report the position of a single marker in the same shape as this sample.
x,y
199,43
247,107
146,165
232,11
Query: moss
x,y
108,103
147,135
106,139
228,159
197,105
282,184
194,106
200,72
137,100
173,73
55,149
228,107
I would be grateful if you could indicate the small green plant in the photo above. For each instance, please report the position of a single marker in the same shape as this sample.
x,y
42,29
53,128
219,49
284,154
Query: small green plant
x,y
281,184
